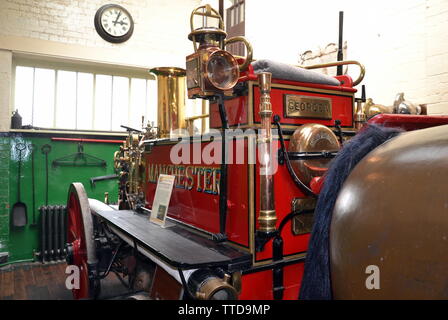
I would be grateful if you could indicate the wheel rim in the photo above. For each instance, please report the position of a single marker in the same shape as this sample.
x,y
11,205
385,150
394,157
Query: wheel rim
x,y
77,207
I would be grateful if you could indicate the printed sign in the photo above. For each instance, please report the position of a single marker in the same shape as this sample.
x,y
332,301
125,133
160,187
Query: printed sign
x,y
162,199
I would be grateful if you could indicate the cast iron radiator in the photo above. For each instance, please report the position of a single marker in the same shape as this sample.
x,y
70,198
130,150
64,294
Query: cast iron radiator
x,y
53,233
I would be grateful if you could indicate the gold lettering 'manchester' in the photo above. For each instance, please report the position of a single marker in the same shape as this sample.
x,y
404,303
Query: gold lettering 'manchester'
x,y
200,178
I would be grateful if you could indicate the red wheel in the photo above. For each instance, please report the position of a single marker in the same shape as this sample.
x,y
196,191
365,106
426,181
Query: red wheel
x,y
81,246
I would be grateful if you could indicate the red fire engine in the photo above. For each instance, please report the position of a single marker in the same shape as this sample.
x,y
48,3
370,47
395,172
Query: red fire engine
x,y
242,206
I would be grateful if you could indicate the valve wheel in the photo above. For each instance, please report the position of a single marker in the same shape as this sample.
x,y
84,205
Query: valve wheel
x,y
81,252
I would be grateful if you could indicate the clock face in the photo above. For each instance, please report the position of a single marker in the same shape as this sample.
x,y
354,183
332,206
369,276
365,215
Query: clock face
x,y
114,23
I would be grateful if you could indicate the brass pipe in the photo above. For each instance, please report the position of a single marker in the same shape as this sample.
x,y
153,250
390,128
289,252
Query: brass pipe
x,y
201,116
190,121
340,63
267,216
204,120
331,64
204,116
360,115
250,51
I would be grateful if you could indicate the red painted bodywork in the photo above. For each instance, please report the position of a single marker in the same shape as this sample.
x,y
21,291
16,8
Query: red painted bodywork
x,y
408,122
238,113
87,140
258,286
201,210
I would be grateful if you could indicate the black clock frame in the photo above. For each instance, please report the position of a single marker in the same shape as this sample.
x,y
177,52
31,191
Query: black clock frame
x,y
103,33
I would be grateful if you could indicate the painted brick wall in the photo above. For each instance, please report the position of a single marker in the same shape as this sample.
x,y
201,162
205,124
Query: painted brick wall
x,y
161,27
409,52
4,193
402,43
65,29
5,88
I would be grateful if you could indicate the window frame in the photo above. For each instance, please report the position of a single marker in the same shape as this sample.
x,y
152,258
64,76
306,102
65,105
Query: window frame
x,y
235,23
76,65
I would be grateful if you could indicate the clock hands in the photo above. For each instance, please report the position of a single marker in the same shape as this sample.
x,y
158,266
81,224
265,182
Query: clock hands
x,y
113,23
116,20
122,23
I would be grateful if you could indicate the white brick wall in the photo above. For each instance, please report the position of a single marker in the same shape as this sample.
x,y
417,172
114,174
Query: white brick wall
x,y
161,27
65,28
402,43
5,85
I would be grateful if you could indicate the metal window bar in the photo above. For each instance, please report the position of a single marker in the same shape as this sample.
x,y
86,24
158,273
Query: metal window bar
x,y
55,97
93,100
33,96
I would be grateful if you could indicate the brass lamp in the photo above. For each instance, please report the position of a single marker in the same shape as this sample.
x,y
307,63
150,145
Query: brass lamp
x,y
211,69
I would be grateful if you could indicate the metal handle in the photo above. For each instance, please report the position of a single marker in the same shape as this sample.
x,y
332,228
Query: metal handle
x,y
207,12
249,54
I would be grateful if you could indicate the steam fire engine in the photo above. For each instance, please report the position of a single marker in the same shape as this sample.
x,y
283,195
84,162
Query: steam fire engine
x,y
239,228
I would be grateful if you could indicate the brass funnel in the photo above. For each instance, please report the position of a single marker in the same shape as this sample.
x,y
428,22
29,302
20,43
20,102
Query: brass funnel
x,y
171,95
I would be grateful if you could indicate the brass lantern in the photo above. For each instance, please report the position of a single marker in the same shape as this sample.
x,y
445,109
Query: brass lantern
x,y
212,70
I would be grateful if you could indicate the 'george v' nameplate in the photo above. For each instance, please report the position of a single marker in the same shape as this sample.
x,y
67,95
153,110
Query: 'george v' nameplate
x,y
296,106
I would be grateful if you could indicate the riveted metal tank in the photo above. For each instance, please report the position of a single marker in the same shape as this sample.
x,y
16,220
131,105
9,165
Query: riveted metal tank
x,y
392,214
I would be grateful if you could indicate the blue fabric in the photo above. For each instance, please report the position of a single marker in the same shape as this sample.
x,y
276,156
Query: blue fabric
x,y
316,282
288,72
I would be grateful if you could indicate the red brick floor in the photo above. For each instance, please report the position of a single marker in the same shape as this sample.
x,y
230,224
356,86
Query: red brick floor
x,y
37,281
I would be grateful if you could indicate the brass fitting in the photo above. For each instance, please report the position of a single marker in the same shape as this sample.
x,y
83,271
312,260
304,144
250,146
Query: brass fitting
x,y
267,217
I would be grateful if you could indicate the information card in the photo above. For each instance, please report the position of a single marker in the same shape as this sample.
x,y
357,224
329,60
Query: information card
x,y
162,199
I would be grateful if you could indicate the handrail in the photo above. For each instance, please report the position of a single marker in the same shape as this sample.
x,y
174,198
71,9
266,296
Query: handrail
x,y
332,64
340,63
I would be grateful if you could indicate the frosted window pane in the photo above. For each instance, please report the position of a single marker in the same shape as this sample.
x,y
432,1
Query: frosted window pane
x,y
242,12
151,97
103,99
138,102
23,98
85,101
44,98
66,100
235,16
120,103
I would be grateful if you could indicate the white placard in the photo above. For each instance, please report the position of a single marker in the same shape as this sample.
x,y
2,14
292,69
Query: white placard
x,y
162,199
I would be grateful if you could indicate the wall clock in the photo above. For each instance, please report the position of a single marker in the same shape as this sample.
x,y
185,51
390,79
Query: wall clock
x,y
114,23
